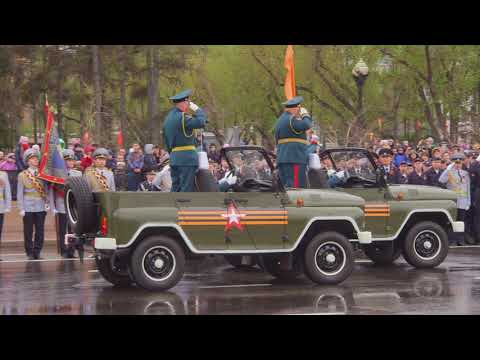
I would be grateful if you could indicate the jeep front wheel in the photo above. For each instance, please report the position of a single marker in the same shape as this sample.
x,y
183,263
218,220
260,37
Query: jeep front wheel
x,y
426,245
158,263
329,258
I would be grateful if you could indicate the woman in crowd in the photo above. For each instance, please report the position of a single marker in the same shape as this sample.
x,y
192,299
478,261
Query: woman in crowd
x,y
135,162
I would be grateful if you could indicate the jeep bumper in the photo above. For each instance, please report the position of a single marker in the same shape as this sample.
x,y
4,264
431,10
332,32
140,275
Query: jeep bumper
x,y
458,226
105,244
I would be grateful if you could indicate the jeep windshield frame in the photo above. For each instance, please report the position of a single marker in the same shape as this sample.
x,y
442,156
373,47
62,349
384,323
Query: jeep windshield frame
x,y
368,155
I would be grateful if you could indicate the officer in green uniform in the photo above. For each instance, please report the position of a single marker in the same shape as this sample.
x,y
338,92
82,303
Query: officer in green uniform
x,y
292,144
179,139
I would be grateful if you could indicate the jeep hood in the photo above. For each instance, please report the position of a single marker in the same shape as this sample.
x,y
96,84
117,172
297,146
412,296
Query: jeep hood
x,y
420,192
324,198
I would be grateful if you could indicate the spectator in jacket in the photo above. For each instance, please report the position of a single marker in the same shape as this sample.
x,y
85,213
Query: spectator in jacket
x,y
434,173
417,177
399,157
213,153
22,146
9,163
135,163
5,199
149,160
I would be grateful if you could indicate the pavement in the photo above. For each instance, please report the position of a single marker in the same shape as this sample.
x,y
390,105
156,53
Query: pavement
x,y
210,286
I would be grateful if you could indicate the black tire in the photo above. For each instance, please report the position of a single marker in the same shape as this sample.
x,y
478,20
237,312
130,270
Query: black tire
x,y
329,258
205,182
382,254
80,206
112,273
426,245
236,262
164,275
271,264
318,179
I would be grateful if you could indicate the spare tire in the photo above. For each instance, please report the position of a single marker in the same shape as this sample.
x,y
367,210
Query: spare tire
x,y
205,182
80,206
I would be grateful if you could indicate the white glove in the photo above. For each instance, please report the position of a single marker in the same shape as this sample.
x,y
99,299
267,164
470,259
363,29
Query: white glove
x,y
54,212
229,178
22,213
303,112
450,167
47,207
330,172
340,174
193,106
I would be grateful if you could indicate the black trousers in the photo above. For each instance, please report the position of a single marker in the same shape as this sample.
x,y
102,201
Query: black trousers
x,y
476,216
1,226
33,220
461,216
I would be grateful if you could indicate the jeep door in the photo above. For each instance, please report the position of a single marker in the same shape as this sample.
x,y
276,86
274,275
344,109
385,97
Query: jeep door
x,y
200,217
361,180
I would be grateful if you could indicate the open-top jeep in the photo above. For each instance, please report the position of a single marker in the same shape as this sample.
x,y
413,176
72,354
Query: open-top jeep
x,y
146,238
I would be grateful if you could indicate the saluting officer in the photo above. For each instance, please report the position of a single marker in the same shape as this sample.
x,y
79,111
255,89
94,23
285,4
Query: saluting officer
x,y
5,198
179,139
69,158
292,144
34,199
149,185
99,177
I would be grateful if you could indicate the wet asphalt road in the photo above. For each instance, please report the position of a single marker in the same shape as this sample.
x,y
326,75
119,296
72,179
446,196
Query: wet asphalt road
x,y
212,287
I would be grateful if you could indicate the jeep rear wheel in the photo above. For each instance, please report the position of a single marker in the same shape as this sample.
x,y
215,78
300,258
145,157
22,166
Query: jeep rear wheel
x,y
329,258
113,272
382,253
158,263
426,245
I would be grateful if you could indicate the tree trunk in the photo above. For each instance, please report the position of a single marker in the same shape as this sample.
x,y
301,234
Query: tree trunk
x,y
98,92
59,115
34,119
152,105
123,90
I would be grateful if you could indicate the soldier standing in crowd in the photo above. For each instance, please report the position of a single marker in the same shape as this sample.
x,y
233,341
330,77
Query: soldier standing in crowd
x,y
148,185
179,139
5,199
292,144
385,156
34,199
458,181
69,157
417,177
434,173
474,172
402,173
98,176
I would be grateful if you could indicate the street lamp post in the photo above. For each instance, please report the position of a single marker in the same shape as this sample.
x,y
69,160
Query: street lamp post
x,y
360,74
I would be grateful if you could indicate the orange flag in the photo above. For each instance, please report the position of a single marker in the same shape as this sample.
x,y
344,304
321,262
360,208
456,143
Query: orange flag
x,y
290,90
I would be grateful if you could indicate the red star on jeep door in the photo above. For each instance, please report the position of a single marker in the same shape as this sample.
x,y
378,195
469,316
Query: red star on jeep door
x,y
233,216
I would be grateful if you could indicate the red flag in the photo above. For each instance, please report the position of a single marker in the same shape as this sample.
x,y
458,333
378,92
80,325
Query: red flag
x,y
52,166
418,125
290,89
86,138
120,139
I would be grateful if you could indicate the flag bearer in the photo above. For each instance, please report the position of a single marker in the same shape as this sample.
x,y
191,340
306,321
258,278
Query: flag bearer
x,y
99,177
179,139
34,199
69,157
5,198
292,144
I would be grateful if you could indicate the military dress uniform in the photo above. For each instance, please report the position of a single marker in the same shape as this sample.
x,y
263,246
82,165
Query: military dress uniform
x,y
100,179
292,146
34,198
459,182
59,199
179,139
5,198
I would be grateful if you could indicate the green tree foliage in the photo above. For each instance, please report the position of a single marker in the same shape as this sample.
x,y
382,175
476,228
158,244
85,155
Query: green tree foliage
x,y
106,88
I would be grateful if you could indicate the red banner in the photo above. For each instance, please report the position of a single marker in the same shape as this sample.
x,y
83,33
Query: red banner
x,y
290,88
120,139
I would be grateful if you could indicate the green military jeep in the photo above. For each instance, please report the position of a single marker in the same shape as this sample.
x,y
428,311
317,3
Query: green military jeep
x,y
146,238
